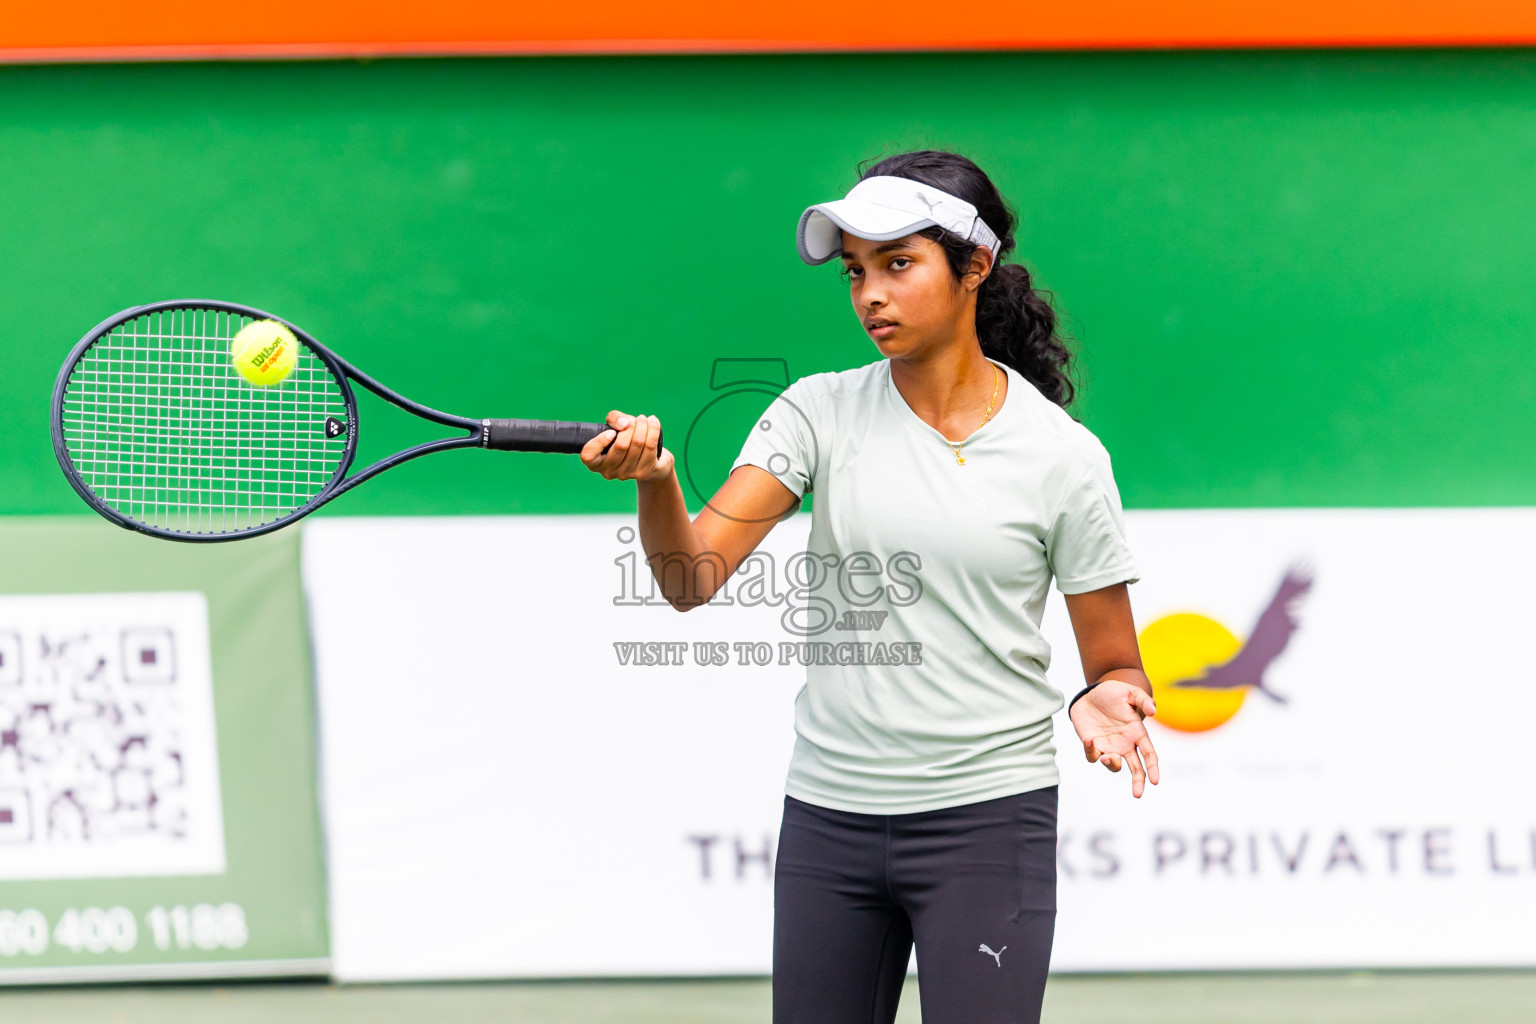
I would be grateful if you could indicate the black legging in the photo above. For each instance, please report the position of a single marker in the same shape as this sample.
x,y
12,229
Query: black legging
x,y
852,892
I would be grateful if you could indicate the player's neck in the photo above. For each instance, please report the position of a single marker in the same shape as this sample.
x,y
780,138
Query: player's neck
x,y
949,385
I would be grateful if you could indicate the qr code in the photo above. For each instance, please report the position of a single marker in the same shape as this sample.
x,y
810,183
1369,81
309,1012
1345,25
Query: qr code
x,y
108,764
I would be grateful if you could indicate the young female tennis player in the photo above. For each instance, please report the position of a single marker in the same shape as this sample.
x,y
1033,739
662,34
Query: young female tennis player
x,y
951,485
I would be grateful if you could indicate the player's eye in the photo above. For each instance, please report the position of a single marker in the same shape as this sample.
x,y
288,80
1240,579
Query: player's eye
x,y
852,271
901,263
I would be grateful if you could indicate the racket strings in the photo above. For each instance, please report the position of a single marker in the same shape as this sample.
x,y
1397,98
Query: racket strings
x,y
163,430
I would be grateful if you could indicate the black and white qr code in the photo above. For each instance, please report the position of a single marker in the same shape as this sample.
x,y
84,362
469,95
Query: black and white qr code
x,y
107,753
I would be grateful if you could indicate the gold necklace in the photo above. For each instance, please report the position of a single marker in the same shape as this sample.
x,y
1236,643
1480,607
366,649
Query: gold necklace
x,y
996,380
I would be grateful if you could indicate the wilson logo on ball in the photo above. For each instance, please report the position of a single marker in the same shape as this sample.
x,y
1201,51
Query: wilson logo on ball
x,y
265,355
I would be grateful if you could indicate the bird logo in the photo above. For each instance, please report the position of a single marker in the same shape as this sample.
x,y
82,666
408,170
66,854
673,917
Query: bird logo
x,y
998,956
1202,673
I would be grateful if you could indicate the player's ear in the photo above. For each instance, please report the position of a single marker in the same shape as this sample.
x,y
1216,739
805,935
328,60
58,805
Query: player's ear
x,y
979,268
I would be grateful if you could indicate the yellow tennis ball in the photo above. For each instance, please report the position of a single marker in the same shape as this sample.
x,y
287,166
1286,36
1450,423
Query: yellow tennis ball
x,y
264,352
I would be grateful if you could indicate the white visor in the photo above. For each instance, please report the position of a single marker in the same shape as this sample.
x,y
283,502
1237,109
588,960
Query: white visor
x,y
882,208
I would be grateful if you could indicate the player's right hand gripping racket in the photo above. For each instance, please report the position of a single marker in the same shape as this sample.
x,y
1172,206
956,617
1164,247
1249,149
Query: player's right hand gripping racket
x,y
158,431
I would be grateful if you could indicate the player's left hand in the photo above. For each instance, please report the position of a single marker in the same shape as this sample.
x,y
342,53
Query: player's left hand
x,y
1108,720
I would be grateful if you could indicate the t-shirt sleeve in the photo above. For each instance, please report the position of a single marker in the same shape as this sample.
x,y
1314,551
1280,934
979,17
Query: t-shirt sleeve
x,y
1086,544
783,440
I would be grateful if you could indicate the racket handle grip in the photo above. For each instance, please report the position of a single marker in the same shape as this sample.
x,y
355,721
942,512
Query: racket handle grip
x,y
541,435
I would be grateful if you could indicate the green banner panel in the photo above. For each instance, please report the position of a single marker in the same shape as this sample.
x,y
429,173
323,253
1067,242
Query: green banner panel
x,y
1297,278
158,810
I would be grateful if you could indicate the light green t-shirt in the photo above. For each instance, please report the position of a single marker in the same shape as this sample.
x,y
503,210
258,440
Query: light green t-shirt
x,y
923,586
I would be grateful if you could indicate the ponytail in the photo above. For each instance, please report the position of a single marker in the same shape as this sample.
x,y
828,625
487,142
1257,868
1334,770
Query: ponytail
x,y
1017,326
1015,322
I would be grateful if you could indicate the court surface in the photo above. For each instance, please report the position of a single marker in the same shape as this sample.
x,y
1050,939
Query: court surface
x,y
1356,998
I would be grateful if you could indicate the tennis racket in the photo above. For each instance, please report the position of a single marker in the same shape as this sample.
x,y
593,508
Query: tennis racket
x,y
158,432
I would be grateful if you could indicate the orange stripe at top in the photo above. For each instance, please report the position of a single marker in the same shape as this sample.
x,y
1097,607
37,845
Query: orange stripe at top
x,y
114,29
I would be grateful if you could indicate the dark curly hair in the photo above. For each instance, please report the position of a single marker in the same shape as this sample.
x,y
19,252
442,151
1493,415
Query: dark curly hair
x,y
1015,321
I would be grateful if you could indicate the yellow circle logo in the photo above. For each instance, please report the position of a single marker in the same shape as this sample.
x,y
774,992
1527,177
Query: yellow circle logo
x,y
1180,647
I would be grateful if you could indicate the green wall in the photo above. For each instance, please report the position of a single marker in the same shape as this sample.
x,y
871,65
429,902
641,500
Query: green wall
x,y
1298,278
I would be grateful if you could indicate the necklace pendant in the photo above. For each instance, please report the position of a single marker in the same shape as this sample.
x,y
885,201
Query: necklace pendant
x,y
959,459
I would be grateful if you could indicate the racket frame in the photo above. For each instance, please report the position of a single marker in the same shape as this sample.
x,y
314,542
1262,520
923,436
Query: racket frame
x,y
342,371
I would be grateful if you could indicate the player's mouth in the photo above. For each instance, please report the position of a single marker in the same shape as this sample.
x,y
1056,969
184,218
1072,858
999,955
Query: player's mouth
x,y
880,328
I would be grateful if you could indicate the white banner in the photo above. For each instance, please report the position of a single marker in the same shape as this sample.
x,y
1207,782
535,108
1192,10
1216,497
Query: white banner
x,y
529,772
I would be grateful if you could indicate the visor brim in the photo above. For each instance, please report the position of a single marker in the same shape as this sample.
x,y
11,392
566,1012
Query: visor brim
x,y
819,236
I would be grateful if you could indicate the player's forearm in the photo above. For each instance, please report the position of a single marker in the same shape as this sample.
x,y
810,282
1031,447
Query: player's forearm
x,y
673,548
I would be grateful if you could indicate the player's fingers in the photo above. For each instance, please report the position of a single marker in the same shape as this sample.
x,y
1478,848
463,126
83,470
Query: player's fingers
x,y
645,444
651,445
639,432
1149,755
1138,774
1142,700
612,447
591,453
1111,761
657,456
619,421
595,450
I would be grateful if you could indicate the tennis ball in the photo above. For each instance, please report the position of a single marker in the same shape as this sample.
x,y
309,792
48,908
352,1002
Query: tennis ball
x,y
264,352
